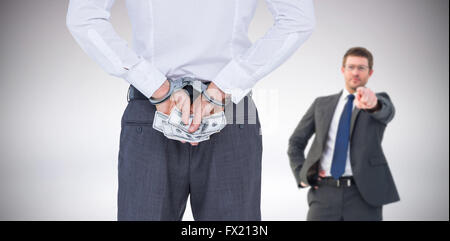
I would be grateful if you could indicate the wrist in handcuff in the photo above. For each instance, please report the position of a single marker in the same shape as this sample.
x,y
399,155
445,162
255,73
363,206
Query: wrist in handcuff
x,y
175,85
180,83
156,101
212,100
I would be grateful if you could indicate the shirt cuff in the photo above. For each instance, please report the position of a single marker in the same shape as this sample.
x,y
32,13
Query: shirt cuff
x,y
234,80
145,77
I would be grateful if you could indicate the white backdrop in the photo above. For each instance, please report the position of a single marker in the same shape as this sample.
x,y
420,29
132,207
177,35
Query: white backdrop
x,y
60,126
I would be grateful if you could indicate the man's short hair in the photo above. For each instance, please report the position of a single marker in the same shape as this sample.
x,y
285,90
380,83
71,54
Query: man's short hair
x,y
359,52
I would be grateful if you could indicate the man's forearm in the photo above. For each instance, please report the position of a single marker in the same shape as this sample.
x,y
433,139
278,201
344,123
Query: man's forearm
x,y
386,111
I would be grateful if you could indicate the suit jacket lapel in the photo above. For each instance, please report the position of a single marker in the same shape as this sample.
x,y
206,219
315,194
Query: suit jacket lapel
x,y
327,112
354,116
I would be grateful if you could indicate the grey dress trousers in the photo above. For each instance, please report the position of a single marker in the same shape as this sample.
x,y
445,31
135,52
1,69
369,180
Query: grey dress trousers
x,y
221,175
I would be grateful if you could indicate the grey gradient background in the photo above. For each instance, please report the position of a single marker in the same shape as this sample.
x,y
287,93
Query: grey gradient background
x,y
60,112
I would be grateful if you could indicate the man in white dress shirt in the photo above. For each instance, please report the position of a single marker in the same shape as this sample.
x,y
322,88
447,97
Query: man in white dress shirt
x,y
204,40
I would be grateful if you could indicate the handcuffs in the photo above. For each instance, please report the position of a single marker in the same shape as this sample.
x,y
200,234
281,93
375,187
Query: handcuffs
x,y
180,83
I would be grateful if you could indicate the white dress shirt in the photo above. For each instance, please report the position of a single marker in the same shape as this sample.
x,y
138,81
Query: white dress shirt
x,y
327,156
202,39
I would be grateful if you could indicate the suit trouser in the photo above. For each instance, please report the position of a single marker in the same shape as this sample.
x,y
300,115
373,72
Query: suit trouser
x,y
329,203
156,175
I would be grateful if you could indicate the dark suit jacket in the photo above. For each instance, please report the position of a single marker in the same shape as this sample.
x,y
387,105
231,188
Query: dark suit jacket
x,y
370,169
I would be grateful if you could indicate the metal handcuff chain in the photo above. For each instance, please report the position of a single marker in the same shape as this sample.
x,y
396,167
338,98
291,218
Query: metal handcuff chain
x,y
180,83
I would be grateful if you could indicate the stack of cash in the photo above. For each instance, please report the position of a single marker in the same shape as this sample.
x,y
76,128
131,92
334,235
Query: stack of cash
x,y
173,127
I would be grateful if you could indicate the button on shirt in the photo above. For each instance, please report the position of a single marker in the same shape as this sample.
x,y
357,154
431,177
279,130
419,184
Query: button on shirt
x,y
327,155
202,39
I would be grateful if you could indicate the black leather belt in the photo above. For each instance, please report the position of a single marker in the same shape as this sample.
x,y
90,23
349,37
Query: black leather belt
x,y
341,182
134,94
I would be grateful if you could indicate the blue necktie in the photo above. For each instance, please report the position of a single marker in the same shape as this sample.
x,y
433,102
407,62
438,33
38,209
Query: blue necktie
x,y
342,140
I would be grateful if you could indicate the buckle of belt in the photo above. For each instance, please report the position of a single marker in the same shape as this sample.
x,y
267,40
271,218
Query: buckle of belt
x,y
348,182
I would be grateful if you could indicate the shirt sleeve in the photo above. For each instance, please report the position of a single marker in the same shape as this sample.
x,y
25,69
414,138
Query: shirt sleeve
x,y
294,22
88,22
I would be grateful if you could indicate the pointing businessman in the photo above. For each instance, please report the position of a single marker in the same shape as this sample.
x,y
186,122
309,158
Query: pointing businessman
x,y
345,166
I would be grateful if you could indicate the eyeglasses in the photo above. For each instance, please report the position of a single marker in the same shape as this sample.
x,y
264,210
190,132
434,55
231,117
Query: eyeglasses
x,y
361,68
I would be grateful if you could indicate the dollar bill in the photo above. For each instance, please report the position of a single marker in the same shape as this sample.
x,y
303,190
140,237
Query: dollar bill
x,y
159,121
178,134
209,125
214,123
173,127
175,119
